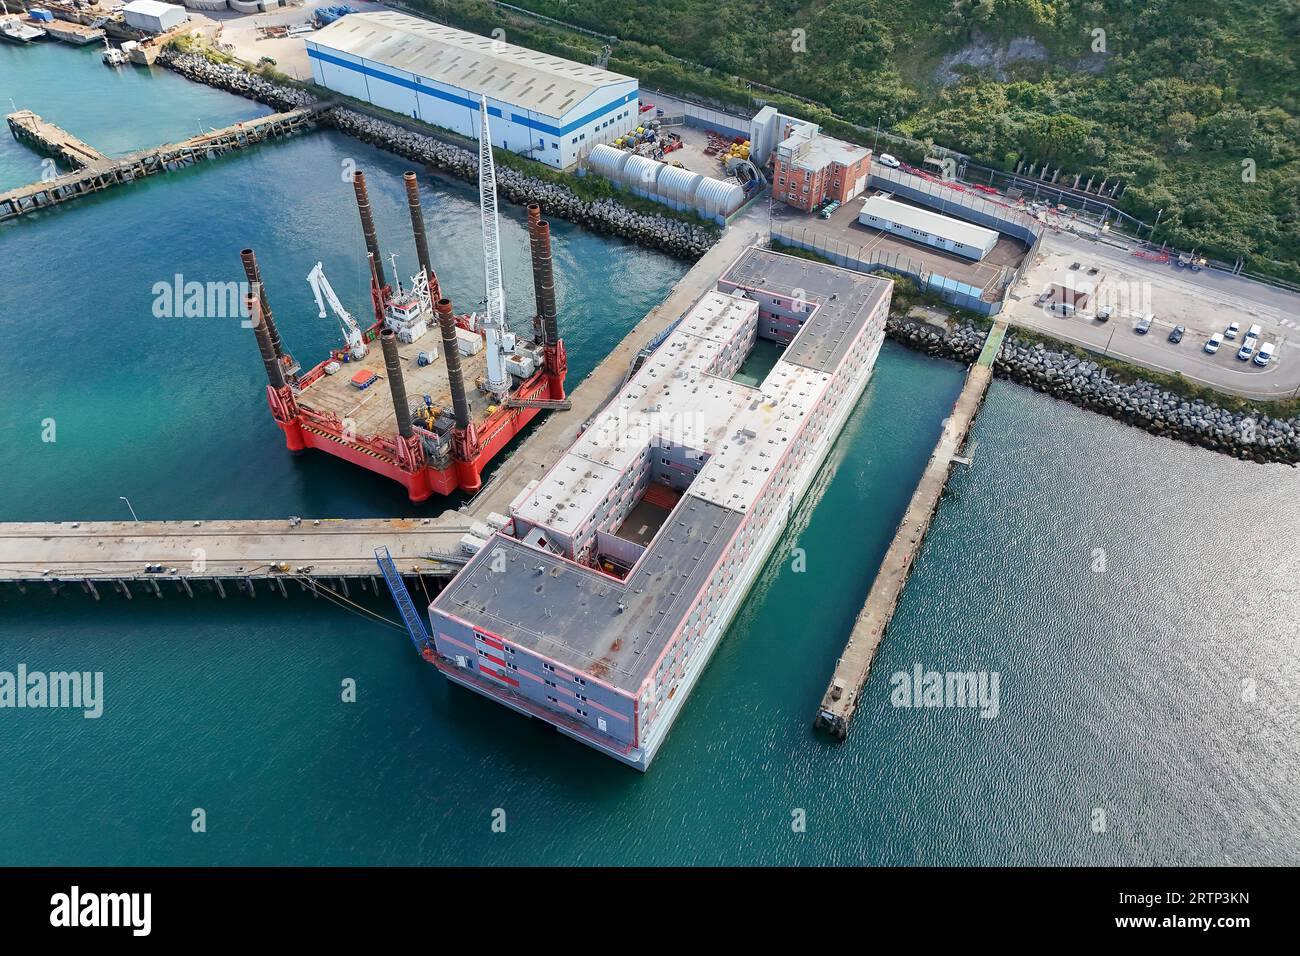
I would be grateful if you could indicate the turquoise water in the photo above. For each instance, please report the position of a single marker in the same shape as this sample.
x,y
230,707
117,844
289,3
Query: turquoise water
x,y
1121,689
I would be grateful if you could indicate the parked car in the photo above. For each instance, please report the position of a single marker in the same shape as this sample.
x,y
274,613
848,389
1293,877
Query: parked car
x,y
1144,324
1265,354
890,161
1247,348
1231,331
1215,340
1176,335
1104,313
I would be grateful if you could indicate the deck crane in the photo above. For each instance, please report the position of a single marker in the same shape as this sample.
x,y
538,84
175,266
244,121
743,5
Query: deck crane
x,y
325,293
499,340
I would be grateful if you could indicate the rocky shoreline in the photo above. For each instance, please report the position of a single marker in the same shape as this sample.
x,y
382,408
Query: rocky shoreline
x,y
674,236
1141,404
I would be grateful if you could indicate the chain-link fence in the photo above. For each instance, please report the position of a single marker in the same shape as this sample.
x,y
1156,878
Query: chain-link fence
x,y
953,198
696,115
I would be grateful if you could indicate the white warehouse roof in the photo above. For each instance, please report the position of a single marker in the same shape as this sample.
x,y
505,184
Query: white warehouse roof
x,y
914,217
506,73
152,8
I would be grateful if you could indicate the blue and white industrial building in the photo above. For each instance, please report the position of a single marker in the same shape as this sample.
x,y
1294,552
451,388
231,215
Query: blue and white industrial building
x,y
550,109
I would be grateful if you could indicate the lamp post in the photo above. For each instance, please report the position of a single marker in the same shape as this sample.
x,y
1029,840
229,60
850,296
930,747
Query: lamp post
x,y
134,516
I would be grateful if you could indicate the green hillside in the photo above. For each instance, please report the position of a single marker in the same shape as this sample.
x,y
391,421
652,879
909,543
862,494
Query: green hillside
x,y
1183,99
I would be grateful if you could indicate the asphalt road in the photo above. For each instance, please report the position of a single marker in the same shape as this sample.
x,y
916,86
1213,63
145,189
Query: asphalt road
x,y
1204,302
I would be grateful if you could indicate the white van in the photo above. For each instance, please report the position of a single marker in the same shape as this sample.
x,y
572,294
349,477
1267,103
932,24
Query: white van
x,y
1254,332
1247,348
1265,354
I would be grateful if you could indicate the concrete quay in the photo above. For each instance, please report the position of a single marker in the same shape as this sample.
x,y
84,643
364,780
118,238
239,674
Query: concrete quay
x,y
840,701
120,554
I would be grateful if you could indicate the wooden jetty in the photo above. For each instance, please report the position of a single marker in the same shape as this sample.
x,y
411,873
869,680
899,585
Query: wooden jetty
x,y
31,128
93,171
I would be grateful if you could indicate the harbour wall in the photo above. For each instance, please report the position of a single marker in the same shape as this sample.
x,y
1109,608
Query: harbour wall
x,y
1087,384
674,236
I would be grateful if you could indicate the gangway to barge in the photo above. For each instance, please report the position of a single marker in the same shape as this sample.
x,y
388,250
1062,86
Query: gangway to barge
x,y
411,617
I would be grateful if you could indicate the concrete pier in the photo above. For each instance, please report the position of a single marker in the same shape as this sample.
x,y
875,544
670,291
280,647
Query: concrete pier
x,y
94,171
117,554
840,701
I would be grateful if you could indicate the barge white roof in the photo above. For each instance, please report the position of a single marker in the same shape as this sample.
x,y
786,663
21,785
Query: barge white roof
x,y
505,72
612,629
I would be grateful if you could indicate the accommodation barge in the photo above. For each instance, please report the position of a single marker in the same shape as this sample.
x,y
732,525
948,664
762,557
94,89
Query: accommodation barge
x,y
599,602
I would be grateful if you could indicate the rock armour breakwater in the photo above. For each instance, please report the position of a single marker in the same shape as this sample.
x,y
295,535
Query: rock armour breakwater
x,y
1087,384
673,236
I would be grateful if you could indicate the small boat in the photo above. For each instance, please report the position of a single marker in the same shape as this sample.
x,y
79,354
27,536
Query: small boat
x,y
111,56
14,30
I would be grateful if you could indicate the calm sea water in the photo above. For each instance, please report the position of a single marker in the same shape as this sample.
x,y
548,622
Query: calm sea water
x,y
114,110
1136,597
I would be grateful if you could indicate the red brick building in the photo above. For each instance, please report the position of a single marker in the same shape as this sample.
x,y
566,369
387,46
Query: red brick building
x,y
811,169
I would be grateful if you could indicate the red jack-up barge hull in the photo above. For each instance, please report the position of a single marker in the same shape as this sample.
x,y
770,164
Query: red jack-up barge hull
x,y
405,456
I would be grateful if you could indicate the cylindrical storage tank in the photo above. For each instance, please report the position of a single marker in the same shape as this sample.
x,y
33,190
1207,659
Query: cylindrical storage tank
x,y
246,6
640,175
719,197
607,161
678,185
206,4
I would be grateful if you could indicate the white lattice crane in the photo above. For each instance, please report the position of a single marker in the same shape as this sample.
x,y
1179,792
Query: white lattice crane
x,y
325,293
499,341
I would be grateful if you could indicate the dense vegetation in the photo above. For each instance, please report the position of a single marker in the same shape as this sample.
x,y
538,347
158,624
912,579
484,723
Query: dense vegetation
x,y
1193,103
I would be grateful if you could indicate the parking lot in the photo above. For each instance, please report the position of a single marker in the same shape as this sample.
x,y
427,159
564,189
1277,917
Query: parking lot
x,y
1203,302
